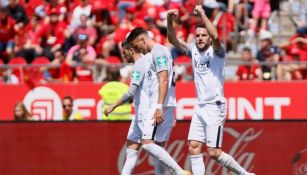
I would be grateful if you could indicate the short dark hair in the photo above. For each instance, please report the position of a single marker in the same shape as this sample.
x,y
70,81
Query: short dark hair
x,y
247,49
135,33
201,25
126,45
68,98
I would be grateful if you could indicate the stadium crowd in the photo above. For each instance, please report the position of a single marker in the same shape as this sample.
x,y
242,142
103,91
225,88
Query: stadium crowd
x,y
75,41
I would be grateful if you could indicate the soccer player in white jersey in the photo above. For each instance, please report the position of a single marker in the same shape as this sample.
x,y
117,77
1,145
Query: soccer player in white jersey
x,y
207,123
138,91
158,122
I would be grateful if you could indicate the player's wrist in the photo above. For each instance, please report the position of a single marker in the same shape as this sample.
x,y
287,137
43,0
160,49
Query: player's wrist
x,y
159,106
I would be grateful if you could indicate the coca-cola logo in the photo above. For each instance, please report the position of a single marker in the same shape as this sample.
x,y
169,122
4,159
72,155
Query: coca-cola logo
x,y
178,149
299,162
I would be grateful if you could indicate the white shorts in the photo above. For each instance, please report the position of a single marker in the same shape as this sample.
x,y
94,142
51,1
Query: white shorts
x,y
207,124
142,127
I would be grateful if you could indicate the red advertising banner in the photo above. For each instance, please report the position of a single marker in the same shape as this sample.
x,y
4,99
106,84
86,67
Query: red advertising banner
x,y
245,100
98,148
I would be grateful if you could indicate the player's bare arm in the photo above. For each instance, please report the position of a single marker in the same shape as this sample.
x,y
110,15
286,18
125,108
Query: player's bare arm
x,y
124,99
163,84
181,45
216,44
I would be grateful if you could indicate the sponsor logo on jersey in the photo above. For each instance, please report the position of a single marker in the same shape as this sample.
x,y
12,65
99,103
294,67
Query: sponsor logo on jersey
x,y
136,75
162,61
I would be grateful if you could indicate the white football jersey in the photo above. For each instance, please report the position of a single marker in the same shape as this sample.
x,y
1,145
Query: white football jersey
x,y
161,60
139,79
208,68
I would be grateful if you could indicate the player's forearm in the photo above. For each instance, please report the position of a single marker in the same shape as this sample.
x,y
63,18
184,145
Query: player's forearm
x,y
210,27
171,36
118,103
163,84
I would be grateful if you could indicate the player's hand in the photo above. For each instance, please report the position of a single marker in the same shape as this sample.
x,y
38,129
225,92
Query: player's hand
x,y
172,14
158,117
198,10
108,110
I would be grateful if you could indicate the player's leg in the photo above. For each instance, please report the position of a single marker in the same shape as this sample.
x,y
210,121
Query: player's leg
x,y
215,118
133,145
196,139
148,143
131,157
162,136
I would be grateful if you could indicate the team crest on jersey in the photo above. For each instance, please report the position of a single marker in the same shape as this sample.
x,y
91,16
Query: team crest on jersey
x,y
135,75
162,61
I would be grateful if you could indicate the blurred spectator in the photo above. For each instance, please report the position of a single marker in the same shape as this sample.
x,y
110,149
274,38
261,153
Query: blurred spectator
x,y
132,21
45,7
87,29
81,52
84,28
113,69
242,10
84,8
250,70
50,37
183,68
268,53
123,5
83,71
25,46
16,11
225,25
8,77
21,113
162,11
296,51
302,23
7,34
261,12
103,22
69,113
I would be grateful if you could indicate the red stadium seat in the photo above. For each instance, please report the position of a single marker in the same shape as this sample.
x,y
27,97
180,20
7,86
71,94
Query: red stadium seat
x,y
18,71
41,60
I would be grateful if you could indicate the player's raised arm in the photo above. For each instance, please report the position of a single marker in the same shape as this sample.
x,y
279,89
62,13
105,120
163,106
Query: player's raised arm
x,y
216,44
171,35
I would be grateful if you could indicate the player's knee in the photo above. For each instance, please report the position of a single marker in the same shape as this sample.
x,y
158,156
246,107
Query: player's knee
x,y
214,153
146,141
133,145
195,147
162,144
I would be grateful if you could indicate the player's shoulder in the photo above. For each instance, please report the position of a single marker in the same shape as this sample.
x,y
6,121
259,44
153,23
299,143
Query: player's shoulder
x,y
158,48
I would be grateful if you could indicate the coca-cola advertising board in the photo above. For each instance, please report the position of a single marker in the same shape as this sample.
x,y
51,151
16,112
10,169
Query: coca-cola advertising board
x,y
245,100
98,148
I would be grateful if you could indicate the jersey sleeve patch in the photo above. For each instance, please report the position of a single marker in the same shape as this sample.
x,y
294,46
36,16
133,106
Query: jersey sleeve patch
x,y
162,61
136,75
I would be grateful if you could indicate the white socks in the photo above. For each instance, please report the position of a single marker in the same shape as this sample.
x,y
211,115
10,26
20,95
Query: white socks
x,y
197,164
160,154
131,158
230,163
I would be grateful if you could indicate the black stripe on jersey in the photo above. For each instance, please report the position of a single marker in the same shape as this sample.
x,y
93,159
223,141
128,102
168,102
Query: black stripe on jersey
x,y
218,137
135,85
154,133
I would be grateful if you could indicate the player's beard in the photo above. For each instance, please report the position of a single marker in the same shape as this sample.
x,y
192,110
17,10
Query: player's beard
x,y
203,48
